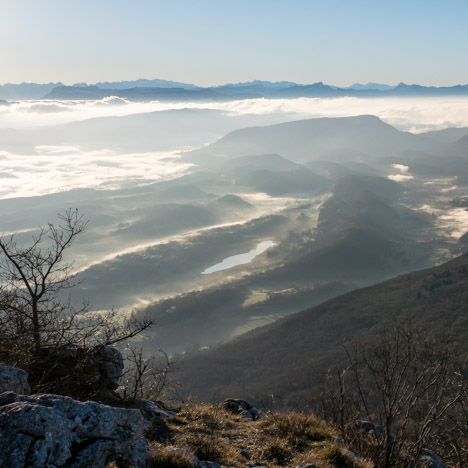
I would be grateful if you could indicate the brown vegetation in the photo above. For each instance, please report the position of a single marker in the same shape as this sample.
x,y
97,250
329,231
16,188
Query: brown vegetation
x,y
281,439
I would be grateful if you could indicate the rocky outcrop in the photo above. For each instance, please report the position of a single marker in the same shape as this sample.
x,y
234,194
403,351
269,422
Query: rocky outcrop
x,y
153,409
55,431
243,408
373,429
112,364
13,379
82,372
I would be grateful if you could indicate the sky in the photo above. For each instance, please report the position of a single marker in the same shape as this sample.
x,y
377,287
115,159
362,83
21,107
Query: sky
x,y
211,42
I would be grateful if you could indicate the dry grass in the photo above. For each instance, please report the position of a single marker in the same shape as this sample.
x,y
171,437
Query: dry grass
x,y
204,430
280,440
336,458
298,429
277,451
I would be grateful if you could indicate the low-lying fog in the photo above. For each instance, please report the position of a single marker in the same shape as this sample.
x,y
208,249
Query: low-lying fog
x,y
338,203
407,114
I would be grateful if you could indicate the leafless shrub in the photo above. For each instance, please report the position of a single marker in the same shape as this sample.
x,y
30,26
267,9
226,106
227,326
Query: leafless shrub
x,y
409,385
147,377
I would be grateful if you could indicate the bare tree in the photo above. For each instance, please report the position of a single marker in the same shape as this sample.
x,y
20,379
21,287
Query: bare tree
x,y
36,314
147,377
33,276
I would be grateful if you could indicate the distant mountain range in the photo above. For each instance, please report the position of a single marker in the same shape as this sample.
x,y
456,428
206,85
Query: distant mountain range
x,y
142,90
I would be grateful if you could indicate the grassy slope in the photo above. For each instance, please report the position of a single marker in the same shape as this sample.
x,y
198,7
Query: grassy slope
x,y
280,359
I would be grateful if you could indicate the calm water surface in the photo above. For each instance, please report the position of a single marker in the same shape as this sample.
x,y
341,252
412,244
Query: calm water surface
x,y
240,259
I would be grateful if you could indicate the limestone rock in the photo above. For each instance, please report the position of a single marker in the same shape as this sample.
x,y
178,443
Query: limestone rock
x,y
243,408
82,372
13,379
112,361
372,429
154,409
49,430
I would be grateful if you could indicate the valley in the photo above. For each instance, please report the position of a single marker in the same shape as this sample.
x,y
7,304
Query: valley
x,y
341,203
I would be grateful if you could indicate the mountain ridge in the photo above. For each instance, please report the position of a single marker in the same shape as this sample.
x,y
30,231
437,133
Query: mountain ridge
x,y
253,90
312,139
142,89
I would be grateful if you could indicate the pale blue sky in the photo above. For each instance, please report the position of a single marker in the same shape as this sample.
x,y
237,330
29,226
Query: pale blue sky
x,y
210,42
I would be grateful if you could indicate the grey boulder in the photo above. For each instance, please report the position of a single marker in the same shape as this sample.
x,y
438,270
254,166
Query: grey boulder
x,y
243,408
56,431
154,409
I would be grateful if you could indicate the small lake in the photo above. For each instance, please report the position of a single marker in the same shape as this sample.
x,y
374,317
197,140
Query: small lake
x,y
240,259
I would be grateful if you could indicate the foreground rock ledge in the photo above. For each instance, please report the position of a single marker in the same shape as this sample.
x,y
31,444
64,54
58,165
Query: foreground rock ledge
x,y
49,430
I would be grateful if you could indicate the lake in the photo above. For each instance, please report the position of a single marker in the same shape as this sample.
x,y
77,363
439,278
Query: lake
x,y
240,259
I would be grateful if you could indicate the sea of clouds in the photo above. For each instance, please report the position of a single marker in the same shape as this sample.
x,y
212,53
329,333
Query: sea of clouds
x,y
59,168
62,167
408,114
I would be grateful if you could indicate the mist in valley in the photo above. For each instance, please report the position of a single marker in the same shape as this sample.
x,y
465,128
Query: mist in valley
x,y
348,192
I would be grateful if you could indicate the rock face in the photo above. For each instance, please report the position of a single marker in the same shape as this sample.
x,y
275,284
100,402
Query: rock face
x,y
13,379
111,361
243,408
54,431
78,371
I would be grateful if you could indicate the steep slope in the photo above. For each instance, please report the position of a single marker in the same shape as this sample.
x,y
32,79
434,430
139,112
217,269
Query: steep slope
x,y
280,359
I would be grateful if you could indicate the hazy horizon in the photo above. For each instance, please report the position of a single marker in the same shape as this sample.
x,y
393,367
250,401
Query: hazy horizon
x,y
336,42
